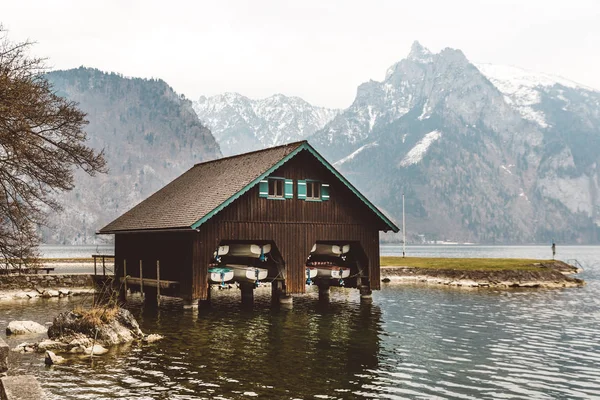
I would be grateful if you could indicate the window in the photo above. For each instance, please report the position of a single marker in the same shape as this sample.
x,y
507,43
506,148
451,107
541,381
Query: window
x,y
313,190
276,188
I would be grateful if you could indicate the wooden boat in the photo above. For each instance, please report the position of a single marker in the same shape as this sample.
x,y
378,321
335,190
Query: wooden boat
x,y
245,273
329,249
332,272
220,275
243,250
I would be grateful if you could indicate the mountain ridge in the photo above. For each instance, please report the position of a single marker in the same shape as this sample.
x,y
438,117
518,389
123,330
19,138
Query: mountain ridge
x,y
241,124
130,118
531,176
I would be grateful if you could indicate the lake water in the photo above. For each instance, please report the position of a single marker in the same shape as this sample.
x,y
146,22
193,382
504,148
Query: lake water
x,y
412,342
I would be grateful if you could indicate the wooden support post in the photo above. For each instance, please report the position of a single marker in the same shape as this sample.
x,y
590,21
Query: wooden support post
x,y
118,286
247,290
141,280
103,267
95,273
158,281
125,276
324,291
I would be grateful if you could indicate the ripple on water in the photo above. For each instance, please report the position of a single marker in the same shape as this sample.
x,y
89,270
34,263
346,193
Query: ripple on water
x,y
417,343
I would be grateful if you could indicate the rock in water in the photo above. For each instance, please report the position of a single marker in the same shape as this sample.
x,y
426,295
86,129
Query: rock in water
x,y
48,344
153,337
52,359
96,350
120,328
24,327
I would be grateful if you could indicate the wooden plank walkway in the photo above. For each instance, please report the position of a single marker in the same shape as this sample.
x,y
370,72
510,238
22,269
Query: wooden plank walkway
x,y
149,282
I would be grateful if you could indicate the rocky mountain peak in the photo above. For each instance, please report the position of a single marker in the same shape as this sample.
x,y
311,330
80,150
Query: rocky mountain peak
x,y
242,124
419,53
484,153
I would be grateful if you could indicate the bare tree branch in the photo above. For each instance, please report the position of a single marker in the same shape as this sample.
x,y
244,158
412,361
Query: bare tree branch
x,y
41,141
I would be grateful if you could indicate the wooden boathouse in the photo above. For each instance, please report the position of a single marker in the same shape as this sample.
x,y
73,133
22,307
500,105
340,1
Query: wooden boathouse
x,y
287,199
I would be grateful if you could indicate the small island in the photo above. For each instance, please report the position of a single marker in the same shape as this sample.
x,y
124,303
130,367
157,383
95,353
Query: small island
x,y
479,272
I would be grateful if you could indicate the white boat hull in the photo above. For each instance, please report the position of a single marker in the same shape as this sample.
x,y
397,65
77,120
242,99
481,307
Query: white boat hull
x,y
329,250
333,272
243,250
218,277
311,272
244,273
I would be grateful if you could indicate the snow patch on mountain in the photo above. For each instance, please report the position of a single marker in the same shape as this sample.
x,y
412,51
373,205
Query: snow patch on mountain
x,y
426,112
522,88
355,153
416,154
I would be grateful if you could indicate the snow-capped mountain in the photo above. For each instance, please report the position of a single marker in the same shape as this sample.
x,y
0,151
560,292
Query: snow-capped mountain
x,y
241,124
483,153
524,89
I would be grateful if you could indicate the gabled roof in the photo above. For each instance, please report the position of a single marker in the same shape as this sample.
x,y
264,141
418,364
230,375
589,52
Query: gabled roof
x,y
207,188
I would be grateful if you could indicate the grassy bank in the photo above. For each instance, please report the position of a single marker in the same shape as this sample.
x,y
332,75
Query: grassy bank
x,y
466,264
479,272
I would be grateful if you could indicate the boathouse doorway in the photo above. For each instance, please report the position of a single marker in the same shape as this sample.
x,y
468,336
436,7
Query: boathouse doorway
x,y
337,263
246,262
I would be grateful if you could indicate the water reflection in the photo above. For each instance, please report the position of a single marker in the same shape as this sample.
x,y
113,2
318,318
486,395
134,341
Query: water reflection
x,y
228,351
413,342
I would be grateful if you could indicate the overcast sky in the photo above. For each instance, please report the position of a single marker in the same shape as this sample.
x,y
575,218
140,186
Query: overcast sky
x,y
317,49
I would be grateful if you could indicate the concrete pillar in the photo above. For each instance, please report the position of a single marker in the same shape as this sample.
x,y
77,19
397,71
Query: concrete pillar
x,y
324,291
203,304
276,289
366,295
3,357
247,290
286,301
190,304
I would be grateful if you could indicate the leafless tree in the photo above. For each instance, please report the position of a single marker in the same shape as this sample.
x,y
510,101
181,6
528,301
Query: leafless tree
x,y
42,140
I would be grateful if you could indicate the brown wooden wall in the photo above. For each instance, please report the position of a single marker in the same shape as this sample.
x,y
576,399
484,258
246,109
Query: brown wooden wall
x,y
173,249
294,225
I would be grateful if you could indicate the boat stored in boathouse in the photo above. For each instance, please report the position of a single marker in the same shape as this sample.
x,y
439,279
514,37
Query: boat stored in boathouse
x,y
284,210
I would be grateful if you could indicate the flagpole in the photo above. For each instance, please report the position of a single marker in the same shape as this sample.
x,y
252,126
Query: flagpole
x,y
403,230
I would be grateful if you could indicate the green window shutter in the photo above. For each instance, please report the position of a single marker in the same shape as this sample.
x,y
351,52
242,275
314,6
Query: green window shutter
x,y
302,190
263,188
324,191
288,189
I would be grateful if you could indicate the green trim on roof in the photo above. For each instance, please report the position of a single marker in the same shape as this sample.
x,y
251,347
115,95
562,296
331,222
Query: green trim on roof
x,y
303,146
247,187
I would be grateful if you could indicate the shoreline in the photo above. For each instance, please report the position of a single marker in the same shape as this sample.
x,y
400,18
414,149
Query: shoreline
x,y
527,274
451,272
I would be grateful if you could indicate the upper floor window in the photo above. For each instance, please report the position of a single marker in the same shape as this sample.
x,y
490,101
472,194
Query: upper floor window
x,y
276,187
313,190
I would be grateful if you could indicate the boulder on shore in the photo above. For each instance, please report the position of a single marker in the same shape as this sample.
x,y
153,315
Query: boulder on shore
x,y
25,328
